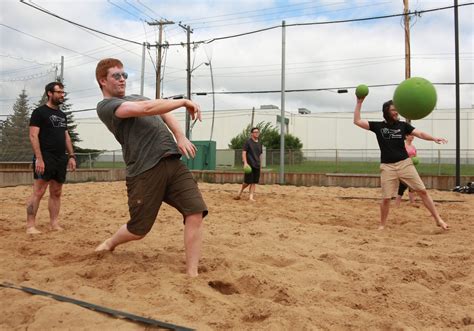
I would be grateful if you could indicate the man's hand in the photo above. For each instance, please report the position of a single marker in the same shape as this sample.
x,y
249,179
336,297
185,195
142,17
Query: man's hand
x,y
71,164
360,100
440,140
39,166
193,109
185,146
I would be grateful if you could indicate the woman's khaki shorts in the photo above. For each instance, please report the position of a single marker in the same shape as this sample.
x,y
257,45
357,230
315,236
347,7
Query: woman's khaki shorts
x,y
169,181
392,173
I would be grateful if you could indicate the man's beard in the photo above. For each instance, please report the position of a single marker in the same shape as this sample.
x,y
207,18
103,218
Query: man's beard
x,y
57,102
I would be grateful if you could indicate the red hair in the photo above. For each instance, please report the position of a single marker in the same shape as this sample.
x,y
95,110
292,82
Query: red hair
x,y
103,67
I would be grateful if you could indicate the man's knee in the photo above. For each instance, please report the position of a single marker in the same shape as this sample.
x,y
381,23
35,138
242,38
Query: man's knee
x,y
39,191
422,192
55,191
194,219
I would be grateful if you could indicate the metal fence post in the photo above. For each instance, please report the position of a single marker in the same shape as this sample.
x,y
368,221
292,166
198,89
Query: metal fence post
x,y
439,162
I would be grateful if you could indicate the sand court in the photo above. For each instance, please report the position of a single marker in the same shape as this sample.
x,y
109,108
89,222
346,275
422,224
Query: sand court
x,y
299,258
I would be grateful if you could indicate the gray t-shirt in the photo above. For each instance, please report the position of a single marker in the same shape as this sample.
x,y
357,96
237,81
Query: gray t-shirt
x,y
145,140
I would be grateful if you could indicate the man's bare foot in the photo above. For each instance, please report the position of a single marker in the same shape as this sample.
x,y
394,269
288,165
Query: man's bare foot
x,y
381,227
252,200
237,197
442,224
192,274
32,230
105,246
56,227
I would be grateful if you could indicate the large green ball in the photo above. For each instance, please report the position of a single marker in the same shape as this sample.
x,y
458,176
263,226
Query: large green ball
x,y
415,98
362,91
247,169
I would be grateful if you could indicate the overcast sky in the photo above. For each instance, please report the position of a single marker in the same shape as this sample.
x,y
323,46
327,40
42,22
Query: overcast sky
x,y
318,56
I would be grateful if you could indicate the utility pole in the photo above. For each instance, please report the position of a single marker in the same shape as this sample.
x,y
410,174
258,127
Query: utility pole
x,y
188,71
253,116
142,73
458,103
61,74
282,119
406,19
160,23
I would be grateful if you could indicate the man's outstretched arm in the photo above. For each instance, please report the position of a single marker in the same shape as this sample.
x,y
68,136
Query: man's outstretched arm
x,y
364,124
156,107
425,136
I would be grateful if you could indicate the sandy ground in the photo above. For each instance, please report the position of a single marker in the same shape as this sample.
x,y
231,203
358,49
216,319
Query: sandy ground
x,y
300,258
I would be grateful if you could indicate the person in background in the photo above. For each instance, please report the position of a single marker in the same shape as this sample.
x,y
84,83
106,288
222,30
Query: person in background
x,y
50,140
251,156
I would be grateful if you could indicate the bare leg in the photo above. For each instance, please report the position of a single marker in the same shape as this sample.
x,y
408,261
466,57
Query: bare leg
x,y
429,204
242,188
54,204
398,200
193,229
411,196
32,205
384,209
120,237
252,191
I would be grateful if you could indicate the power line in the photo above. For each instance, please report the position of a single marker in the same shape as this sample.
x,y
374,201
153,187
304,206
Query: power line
x,y
46,41
284,15
311,89
332,22
80,25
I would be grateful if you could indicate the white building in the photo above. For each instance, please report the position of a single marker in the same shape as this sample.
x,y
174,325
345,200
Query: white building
x,y
317,131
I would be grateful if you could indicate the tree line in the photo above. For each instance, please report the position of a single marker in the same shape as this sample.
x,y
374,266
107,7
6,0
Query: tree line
x,y
15,143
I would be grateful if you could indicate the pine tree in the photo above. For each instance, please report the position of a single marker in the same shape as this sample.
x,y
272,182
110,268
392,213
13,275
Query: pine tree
x,y
14,141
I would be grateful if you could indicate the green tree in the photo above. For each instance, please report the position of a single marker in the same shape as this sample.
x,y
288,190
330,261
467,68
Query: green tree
x,y
269,137
14,139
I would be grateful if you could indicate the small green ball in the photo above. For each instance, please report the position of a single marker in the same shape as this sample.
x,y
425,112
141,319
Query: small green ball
x,y
362,91
247,169
415,160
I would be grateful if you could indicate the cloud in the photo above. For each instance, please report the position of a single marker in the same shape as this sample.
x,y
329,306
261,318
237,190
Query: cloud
x,y
317,56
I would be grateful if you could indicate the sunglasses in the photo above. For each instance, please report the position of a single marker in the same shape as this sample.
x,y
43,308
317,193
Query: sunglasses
x,y
118,75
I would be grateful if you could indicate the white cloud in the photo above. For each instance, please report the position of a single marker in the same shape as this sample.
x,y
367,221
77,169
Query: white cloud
x,y
319,56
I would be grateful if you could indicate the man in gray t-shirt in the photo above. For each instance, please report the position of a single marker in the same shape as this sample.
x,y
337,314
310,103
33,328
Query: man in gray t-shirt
x,y
151,153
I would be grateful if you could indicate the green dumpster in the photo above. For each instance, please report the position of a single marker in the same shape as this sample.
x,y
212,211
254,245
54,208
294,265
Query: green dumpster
x,y
205,158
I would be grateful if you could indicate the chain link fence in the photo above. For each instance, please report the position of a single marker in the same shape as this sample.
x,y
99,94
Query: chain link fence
x,y
432,161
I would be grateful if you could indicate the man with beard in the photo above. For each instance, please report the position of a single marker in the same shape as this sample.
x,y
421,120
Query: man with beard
x,y
396,165
50,140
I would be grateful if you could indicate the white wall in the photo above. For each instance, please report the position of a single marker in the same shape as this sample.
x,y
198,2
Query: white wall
x,y
316,131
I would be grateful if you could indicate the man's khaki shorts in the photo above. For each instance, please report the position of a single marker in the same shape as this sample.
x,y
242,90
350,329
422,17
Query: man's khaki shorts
x,y
169,181
392,173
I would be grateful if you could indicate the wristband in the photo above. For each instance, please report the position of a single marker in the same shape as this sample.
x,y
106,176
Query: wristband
x,y
72,156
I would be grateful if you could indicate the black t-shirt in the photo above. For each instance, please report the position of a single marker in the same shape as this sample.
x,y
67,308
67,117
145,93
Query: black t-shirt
x,y
391,139
53,126
253,149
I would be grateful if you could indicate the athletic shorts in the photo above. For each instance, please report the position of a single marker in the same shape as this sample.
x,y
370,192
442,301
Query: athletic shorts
x,y
55,167
169,181
402,171
253,177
